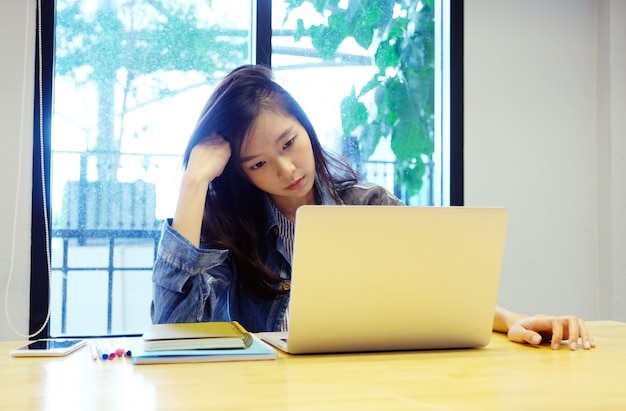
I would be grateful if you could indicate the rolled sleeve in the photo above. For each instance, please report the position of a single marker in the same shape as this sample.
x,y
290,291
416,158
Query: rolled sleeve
x,y
190,283
368,194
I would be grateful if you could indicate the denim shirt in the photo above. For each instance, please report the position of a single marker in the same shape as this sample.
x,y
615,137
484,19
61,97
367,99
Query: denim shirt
x,y
192,284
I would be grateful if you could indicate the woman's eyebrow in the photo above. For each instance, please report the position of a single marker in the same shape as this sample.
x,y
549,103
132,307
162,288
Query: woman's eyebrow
x,y
280,137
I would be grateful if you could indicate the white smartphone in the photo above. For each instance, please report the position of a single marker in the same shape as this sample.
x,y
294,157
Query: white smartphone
x,y
49,348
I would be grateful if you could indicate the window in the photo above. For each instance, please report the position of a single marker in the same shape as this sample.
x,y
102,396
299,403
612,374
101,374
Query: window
x,y
365,73
130,77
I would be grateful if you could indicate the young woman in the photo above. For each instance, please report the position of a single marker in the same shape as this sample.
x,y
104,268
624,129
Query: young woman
x,y
252,160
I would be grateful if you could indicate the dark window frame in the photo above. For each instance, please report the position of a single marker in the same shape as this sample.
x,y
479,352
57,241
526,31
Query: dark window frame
x,y
43,98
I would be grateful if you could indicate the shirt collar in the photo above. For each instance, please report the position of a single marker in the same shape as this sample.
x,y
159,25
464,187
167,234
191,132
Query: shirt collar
x,y
324,197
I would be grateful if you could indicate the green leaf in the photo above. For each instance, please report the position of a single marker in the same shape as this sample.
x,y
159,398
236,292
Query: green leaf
x,y
371,85
386,56
300,30
429,3
321,5
365,24
399,100
410,174
353,113
294,4
369,138
326,39
364,36
409,140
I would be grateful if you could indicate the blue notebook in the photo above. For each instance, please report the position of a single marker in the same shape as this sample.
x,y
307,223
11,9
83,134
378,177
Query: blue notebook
x,y
258,350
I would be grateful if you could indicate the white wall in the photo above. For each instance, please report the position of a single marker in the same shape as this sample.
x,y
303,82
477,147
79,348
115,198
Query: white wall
x,y
16,113
611,129
545,93
544,137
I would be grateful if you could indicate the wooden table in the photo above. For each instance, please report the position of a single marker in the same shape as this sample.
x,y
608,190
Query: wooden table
x,y
502,376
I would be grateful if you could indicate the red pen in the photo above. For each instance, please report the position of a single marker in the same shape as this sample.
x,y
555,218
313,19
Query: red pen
x,y
109,350
122,347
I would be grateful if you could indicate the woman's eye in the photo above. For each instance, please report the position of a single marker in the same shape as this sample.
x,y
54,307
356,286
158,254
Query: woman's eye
x,y
289,143
257,165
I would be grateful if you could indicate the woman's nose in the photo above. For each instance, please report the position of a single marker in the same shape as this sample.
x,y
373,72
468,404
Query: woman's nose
x,y
285,167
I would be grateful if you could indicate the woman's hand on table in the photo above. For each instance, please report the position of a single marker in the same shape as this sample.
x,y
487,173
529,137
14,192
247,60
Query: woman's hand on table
x,y
554,329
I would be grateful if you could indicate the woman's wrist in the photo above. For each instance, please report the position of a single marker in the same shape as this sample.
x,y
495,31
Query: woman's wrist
x,y
504,319
194,179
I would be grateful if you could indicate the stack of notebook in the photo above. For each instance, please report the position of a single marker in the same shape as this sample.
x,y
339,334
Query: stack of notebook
x,y
198,342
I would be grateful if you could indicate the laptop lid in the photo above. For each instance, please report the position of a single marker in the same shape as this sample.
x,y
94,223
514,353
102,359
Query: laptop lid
x,y
379,278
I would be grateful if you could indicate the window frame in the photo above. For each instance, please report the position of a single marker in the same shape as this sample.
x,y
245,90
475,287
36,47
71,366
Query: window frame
x,y
262,53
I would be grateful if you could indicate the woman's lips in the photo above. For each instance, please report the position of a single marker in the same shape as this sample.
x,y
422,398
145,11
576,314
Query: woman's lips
x,y
297,184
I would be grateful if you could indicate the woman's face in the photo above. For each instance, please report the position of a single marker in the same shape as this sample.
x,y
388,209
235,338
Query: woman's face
x,y
277,157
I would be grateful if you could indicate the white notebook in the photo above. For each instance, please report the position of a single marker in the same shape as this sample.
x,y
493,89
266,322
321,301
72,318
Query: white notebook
x,y
381,278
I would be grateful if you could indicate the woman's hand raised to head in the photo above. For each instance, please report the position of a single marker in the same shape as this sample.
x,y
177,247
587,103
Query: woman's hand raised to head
x,y
208,158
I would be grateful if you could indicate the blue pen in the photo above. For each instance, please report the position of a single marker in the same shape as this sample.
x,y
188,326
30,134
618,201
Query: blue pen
x,y
101,354
126,348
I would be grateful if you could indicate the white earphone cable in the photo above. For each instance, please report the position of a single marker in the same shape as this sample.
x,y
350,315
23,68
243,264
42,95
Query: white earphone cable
x,y
39,84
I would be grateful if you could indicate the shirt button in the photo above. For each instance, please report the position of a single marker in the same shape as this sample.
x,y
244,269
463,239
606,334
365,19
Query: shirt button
x,y
286,285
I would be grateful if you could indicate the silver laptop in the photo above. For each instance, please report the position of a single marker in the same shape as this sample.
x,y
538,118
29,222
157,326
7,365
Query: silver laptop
x,y
383,278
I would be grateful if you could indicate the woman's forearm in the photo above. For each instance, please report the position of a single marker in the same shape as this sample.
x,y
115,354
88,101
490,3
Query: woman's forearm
x,y
190,208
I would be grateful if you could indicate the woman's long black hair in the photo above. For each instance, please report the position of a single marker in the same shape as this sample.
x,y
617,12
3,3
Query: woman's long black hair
x,y
234,213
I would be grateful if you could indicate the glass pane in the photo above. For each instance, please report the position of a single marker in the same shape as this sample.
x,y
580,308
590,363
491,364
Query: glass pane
x,y
130,79
364,71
